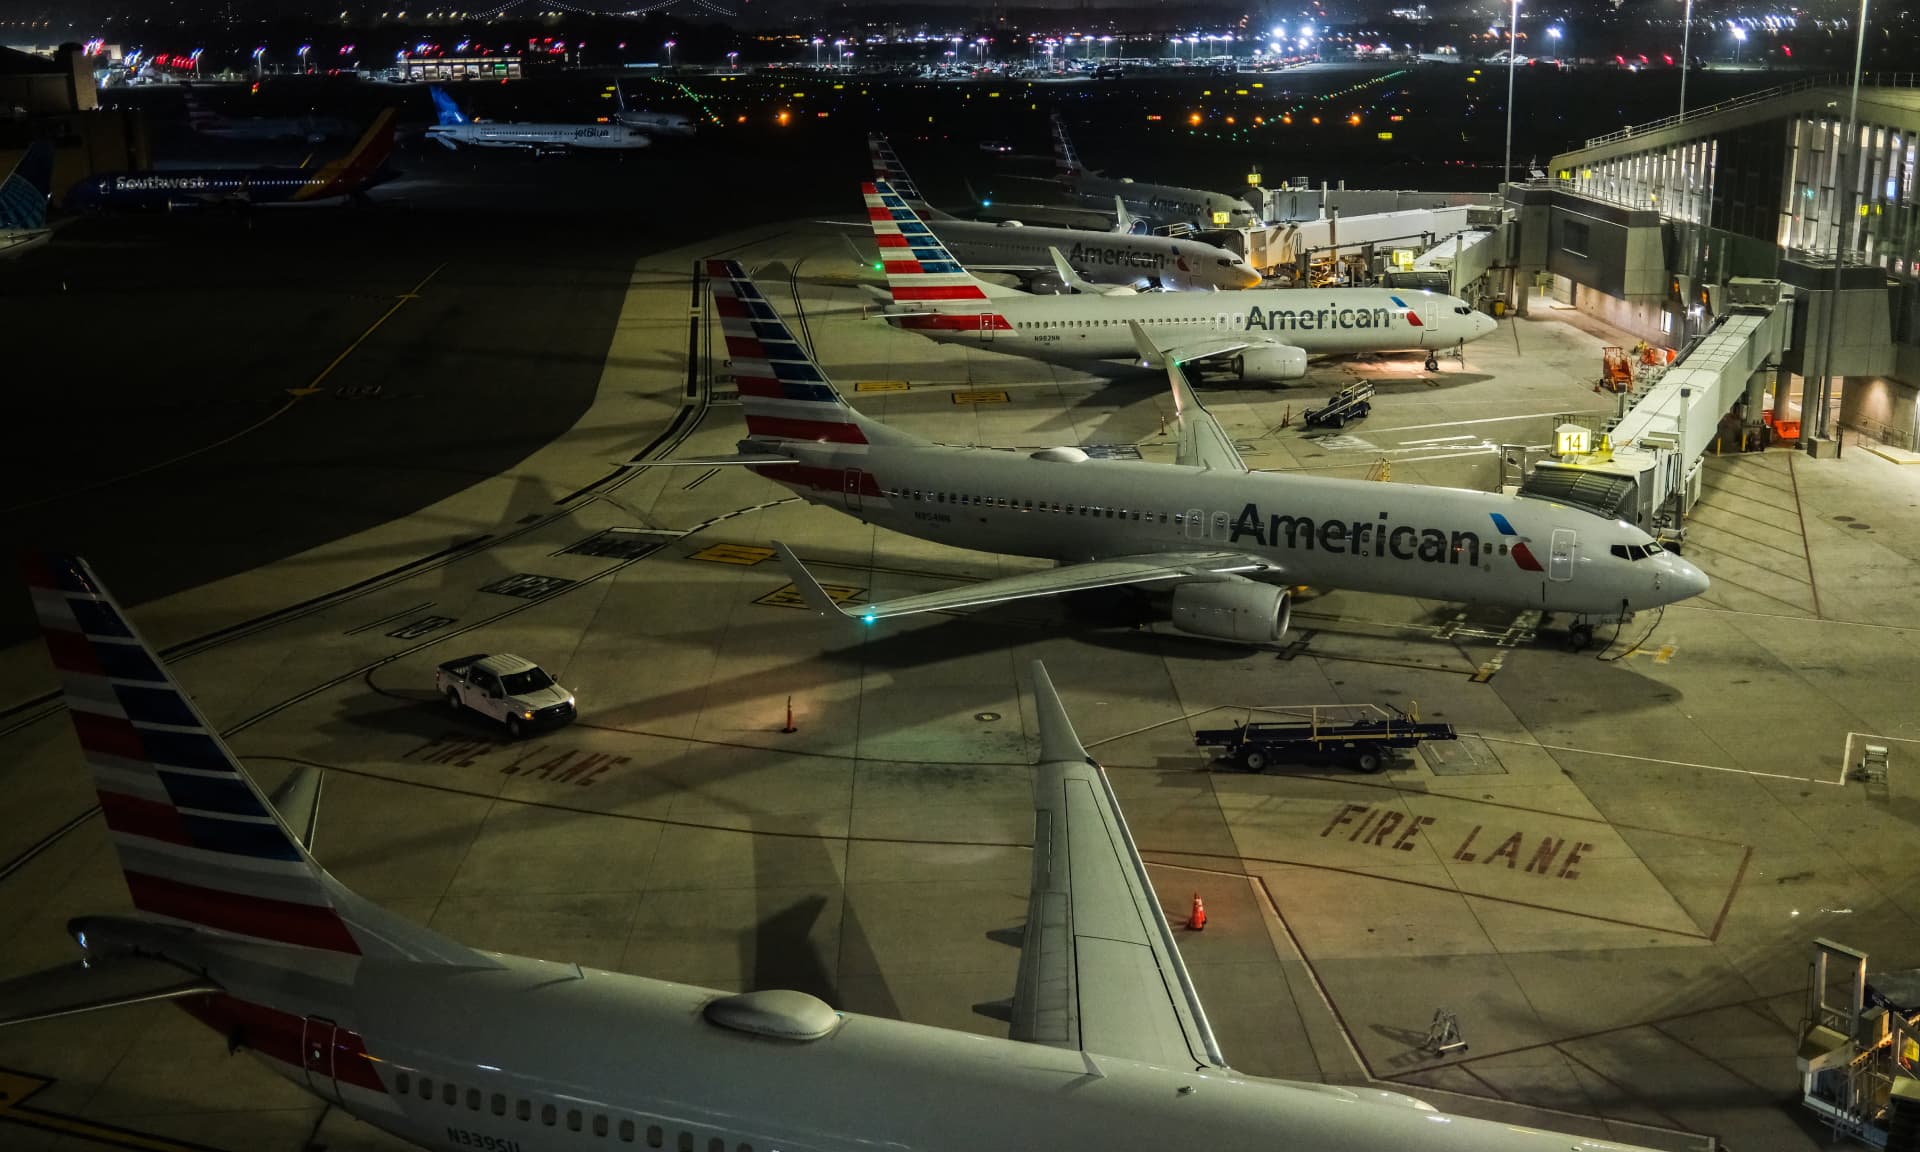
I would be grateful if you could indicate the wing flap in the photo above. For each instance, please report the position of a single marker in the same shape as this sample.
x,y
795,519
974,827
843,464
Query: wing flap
x,y
86,986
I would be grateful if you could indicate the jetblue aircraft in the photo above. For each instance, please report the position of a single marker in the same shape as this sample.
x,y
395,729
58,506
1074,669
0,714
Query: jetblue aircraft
x,y
1261,335
23,200
1107,263
169,189
1230,542
449,1047
456,130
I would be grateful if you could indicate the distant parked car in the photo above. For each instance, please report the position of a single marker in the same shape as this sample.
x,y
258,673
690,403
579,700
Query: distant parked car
x,y
513,690
995,146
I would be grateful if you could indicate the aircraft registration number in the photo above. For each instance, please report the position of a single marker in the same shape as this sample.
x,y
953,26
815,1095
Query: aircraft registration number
x,y
466,1139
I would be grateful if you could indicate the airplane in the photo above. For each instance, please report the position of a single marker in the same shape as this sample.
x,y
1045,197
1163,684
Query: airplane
x,y
23,200
336,182
309,128
1112,259
1163,203
444,1046
456,130
1260,335
652,123
1230,542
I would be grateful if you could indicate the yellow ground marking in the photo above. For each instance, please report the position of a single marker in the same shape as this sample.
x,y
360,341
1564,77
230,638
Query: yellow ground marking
x,y
745,554
16,1087
991,397
294,396
1661,655
789,597
881,386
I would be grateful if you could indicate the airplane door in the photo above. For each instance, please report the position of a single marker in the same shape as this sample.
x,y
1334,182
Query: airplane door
x,y
851,488
316,1052
986,327
1196,524
1560,562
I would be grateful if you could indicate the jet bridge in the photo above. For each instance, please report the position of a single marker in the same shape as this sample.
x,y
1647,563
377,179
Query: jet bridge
x,y
1646,467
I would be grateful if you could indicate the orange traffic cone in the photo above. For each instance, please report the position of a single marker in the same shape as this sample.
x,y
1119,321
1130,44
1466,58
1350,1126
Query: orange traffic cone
x,y
1197,919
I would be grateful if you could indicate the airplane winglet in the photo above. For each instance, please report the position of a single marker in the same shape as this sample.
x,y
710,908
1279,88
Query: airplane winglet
x,y
1057,739
1067,275
298,802
1123,220
809,588
1150,354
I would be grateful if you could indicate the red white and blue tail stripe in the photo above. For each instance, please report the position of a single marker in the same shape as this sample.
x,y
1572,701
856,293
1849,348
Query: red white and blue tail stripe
x,y
920,270
887,167
783,392
197,841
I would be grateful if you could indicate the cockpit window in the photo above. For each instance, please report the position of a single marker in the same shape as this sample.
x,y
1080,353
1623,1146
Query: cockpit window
x,y
1463,310
1636,551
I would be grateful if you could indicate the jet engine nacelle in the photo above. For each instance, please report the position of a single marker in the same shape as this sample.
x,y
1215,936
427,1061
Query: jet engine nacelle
x,y
1235,609
1266,363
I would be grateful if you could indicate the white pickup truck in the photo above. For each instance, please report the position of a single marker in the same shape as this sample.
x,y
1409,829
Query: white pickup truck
x,y
512,690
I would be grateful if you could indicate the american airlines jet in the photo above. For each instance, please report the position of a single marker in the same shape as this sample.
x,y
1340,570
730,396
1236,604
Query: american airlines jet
x,y
1107,261
1160,203
23,200
456,130
451,1048
1260,335
1231,543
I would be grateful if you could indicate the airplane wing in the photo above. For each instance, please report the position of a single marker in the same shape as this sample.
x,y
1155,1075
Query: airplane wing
x,y
1203,443
1109,573
1099,970
87,985
1202,349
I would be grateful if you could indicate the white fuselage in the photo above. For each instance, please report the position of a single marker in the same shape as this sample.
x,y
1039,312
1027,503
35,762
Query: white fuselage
x,y
1165,203
542,137
1101,257
534,1056
657,123
1323,321
1409,540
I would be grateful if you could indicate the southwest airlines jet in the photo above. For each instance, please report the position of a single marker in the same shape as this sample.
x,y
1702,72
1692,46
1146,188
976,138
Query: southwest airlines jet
x,y
173,188
451,1048
1116,262
1230,542
1261,335
457,130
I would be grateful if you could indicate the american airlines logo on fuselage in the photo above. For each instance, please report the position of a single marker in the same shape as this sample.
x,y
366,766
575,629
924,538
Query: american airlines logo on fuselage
x,y
1307,319
1128,257
1357,537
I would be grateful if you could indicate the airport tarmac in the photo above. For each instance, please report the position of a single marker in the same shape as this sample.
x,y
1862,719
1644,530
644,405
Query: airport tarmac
x,y
1612,879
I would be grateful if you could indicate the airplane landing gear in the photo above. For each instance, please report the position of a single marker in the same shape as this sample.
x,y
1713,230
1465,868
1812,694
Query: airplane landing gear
x,y
1433,362
1579,636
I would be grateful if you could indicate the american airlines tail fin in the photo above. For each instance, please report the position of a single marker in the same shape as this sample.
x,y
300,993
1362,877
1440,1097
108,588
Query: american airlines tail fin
x,y
919,268
449,111
784,394
888,168
199,844
23,197
1066,163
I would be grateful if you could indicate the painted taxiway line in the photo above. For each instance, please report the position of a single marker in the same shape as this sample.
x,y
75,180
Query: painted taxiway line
x,y
1654,760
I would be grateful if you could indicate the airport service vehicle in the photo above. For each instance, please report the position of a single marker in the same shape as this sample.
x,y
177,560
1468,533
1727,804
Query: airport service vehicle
x,y
1118,258
456,131
1322,737
513,690
174,188
23,200
309,128
1350,403
1159,203
449,1047
1230,543
651,123
1260,335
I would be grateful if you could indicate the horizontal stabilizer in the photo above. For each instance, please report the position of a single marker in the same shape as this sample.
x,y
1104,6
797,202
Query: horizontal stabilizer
x,y
731,458
87,985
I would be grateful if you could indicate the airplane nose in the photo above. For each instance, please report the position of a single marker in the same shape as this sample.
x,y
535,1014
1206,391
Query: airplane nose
x,y
1686,580
1483,324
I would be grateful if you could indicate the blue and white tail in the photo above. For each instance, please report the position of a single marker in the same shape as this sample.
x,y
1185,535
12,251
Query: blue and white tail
x,y
198,842
920,270
449,111
783,392
23,197
1066,162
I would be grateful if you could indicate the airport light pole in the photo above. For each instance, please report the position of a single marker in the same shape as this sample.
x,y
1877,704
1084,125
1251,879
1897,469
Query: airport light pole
x,y
1104,41
670,45
304,49
1739,42
816,50
733,60
1686,54
1513,48
1553,34
260,62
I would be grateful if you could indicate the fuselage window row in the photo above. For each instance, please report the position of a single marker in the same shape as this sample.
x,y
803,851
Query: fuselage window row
x,y
577,1120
